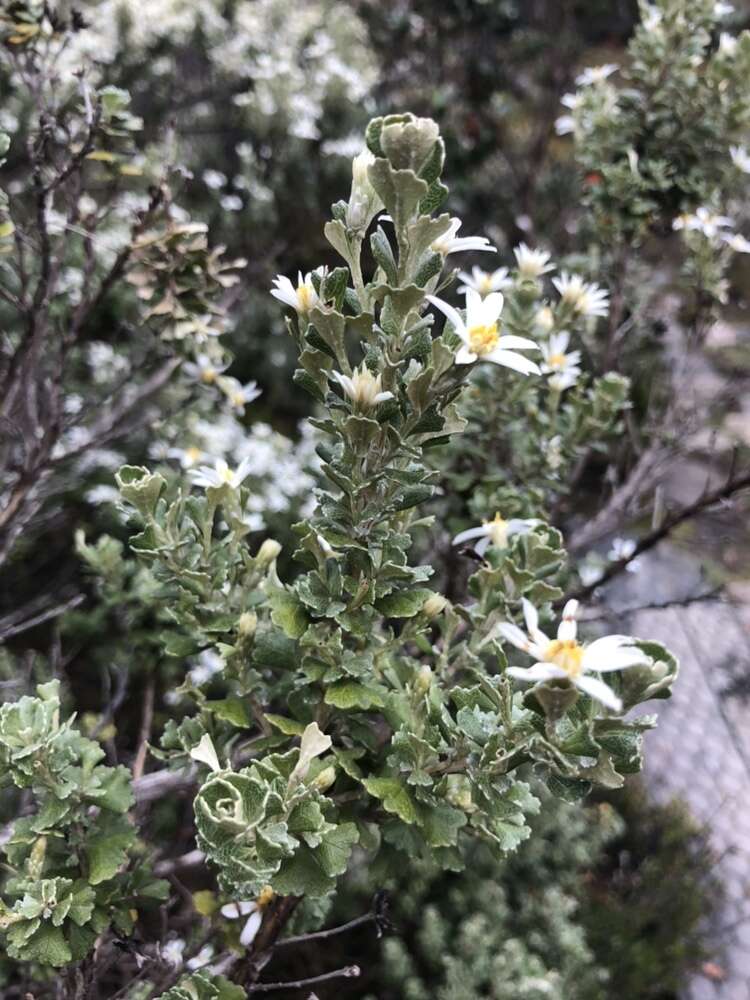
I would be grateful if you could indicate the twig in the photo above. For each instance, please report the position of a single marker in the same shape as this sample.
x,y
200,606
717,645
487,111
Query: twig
x,y
147,719
348,972
649,540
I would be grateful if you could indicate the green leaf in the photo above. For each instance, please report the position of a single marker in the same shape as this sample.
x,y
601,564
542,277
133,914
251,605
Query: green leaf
x,y
394,796
233,710
288,612
350,694
404,603
289,727
107,853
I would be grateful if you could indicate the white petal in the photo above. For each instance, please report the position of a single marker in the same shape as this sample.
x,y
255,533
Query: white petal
x,y
537,672
490,308
482,545
604,655
466,536
513,634
451,315
464,356
513,343
515,361
599,690
473,308
531,616
568,628
381,397
251,928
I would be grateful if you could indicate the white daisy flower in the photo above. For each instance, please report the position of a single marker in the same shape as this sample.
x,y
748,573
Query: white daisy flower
x,y
449,242
564,658
221,474
562,368
239,395
362,387
704,221
740,158
595,74
496,532
303,298
723,9
481,336
204,369
532,263
245,908
484,282
586,298
187,457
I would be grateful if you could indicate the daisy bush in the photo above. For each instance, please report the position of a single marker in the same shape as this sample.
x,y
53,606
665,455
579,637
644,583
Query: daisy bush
x,y
304,653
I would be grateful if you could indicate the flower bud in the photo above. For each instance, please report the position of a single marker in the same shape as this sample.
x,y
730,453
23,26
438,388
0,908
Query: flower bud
x,y
544,319
247,624
268,551
423,681
325,779
434,605
364,203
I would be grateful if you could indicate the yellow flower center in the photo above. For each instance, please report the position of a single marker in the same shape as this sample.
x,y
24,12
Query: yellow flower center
x,y
497,529
566,653
485,284
208,375
304,296
192,454
265,897
228,475
238,399
483,339
556,360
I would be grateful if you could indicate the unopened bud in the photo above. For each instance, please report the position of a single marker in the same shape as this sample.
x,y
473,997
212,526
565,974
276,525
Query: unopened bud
x,y
325,779
434,605
248,624
268,551
423,681
544,319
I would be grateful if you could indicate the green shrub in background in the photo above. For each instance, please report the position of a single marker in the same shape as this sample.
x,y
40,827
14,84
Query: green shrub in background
x,y
610,900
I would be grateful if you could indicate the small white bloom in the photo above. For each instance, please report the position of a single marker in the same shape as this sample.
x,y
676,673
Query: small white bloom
x,y
703,221
623,548
564,658
586,298
239,395
571,101
221,474
532,263
231,203
740,158
565,125
562,368
245,908
737,242
481,336
652,17
172,952
214,179
727,43
303,298
204,369
596,74
187,457
362,387
496,532
484,282
723,9
449,242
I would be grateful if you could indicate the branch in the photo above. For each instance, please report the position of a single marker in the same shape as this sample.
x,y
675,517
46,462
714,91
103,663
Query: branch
x,y
348,972
648,541
377,915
